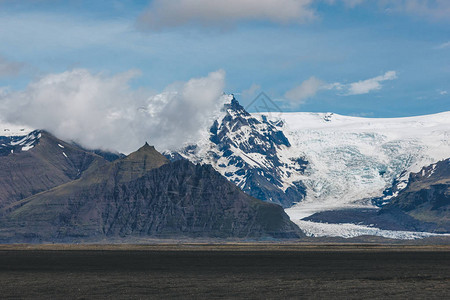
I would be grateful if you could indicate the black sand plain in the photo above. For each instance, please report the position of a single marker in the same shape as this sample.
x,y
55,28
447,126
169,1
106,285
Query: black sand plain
x,y
224,271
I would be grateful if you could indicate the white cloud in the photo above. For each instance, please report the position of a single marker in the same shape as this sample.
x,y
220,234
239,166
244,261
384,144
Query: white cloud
x,y
163,14
366,86
102,111
443,45
251,91
305,90
9,68
310,87
443,93
218,13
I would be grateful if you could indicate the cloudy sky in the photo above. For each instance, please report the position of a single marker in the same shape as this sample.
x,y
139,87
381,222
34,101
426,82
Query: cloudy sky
x,y
377,58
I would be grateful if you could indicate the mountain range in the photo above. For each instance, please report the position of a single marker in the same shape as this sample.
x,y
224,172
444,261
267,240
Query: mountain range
x,y
56,191
315,162
333,175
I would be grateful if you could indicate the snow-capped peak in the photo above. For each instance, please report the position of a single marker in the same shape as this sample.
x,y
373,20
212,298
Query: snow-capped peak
x,y
251,153
15,138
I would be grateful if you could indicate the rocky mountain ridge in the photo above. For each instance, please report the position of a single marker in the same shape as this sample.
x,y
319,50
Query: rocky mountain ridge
x,y
143,195
39,161
247,152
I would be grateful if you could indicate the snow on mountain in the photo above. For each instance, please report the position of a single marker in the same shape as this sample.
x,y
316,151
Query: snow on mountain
x,y
15,138
353,160
313,162
307,162
251,153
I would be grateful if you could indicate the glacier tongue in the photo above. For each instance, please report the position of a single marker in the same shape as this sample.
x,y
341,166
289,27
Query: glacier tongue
x,y
352,159
348,230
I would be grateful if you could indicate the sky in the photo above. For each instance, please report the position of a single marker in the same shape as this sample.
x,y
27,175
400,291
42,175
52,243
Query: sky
x,y
71,66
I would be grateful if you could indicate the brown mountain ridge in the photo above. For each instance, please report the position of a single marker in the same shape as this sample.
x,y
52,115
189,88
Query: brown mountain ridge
x,y
140,196
50,163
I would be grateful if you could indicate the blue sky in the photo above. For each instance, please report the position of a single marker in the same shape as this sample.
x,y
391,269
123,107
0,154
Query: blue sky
x,y
354,57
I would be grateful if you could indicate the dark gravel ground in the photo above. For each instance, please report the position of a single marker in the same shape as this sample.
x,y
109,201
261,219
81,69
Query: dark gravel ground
x,y
200,274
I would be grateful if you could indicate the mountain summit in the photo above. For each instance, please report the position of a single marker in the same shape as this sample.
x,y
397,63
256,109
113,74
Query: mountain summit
x,y
138,163
246,150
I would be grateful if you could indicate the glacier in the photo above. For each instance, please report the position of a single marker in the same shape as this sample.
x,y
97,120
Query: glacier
x,y
349,230
323,161
353,160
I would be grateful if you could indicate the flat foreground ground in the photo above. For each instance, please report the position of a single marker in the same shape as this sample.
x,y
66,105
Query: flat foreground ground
x,y
205,272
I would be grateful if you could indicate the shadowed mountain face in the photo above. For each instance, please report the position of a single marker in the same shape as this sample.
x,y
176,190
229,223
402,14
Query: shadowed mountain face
x,y
144,195
426,199
38,162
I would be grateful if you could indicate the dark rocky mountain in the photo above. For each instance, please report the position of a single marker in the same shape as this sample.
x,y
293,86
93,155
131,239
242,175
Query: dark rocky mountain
x,y
141,196
37,162
246,150
426,198
424,205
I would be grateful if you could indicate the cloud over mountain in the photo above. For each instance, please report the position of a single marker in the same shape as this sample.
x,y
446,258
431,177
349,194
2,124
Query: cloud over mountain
x,y
101,111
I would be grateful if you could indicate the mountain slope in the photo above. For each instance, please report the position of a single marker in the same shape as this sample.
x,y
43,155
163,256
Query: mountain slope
x,y
37,162
143,195
249,152
426,198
